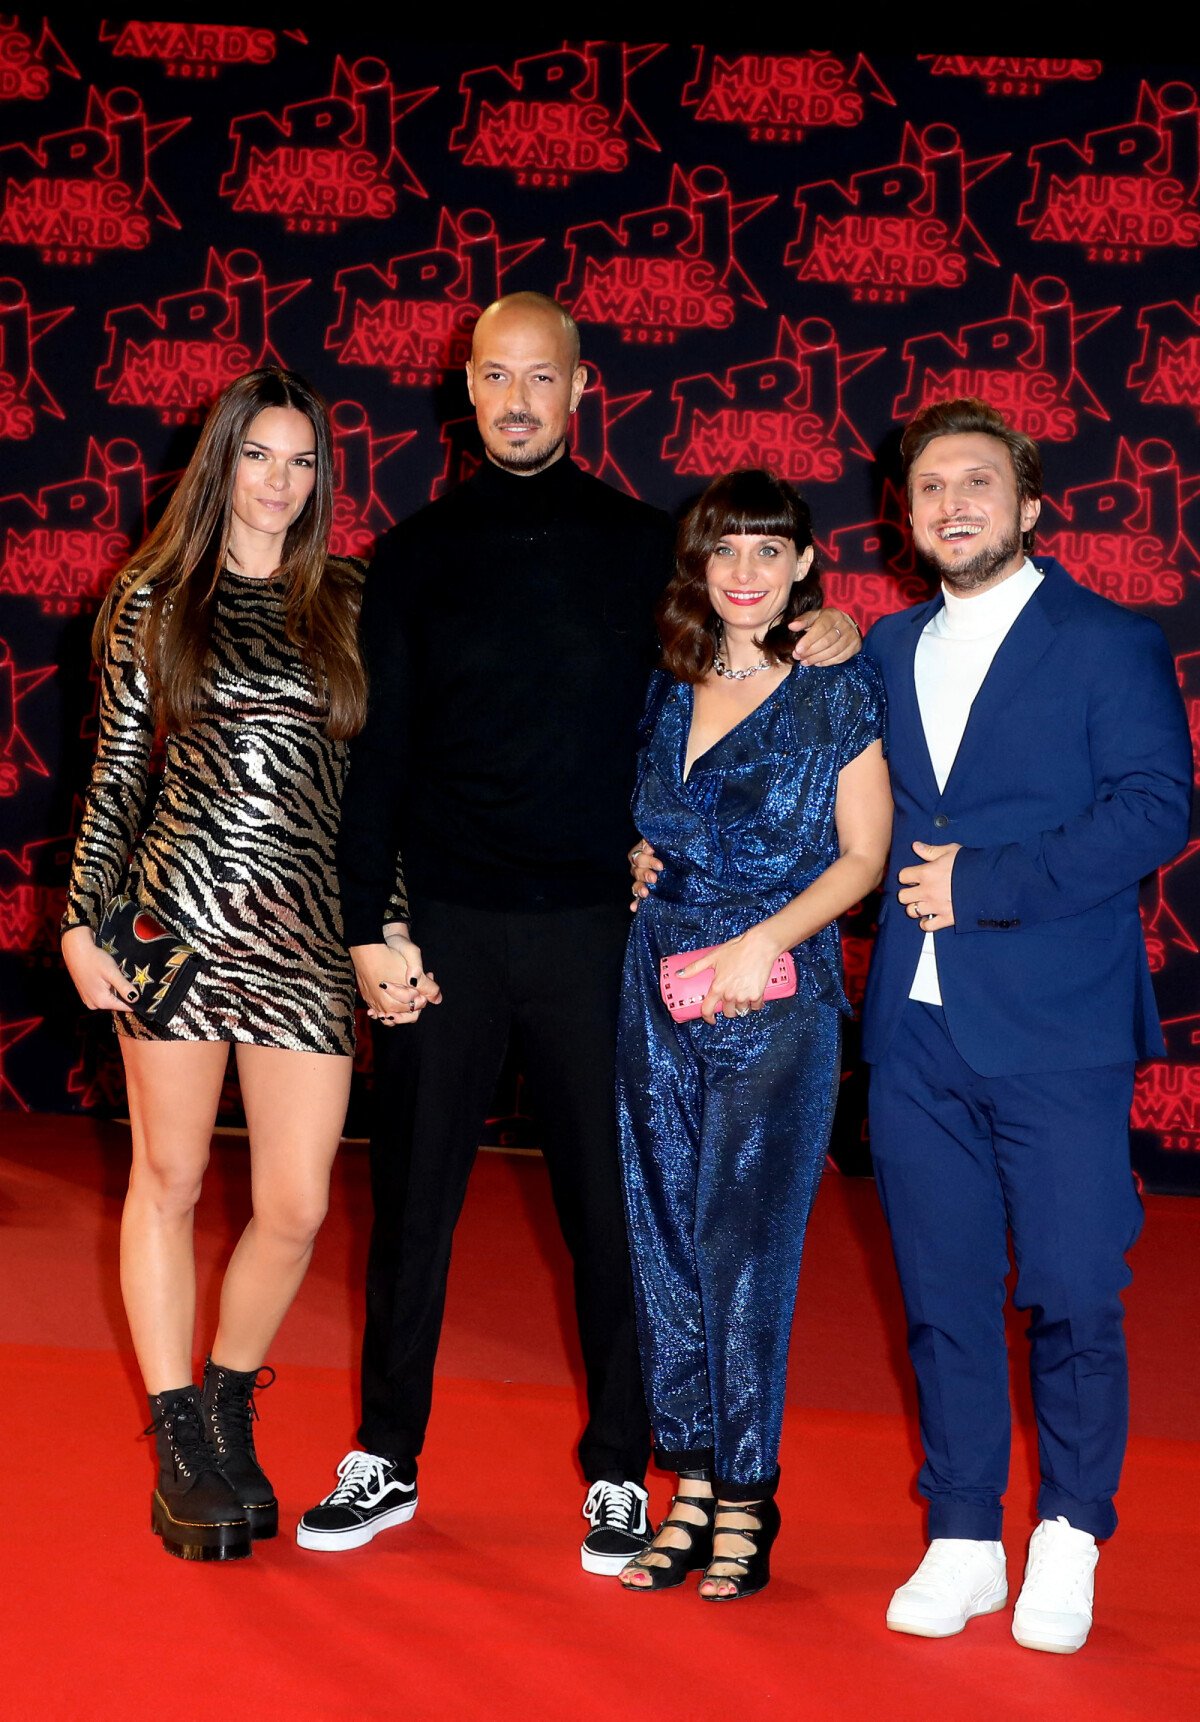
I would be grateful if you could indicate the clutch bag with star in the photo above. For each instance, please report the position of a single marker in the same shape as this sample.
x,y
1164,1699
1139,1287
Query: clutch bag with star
x,y
158,964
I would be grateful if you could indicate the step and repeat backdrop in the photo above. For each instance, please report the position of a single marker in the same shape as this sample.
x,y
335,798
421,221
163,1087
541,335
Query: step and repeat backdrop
x,y
775,255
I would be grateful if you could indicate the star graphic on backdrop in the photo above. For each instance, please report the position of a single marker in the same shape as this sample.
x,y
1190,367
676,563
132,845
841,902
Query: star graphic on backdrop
x,y
10,1034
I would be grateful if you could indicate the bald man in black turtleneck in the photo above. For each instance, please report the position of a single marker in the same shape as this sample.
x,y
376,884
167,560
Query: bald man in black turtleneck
x,y
508,633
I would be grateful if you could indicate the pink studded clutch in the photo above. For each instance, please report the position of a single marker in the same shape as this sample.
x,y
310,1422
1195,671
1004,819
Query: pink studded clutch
x,y
683,998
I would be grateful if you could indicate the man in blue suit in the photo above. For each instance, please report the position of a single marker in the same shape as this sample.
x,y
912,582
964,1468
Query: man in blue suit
x,y
1041,767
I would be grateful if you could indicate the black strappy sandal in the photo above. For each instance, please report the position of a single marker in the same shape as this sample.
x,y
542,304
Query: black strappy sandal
x,y
675,1564
756,1567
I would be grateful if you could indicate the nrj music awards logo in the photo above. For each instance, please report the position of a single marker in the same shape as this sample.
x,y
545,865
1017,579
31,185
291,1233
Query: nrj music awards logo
x,y
778,97
1166,1097
178,354
1025,364
326,161
22,391
1013,74
890,229
1187,669
17,753
869,569
194,50
87,190
412,317
661,271
359,512
1167,370
552,116
64,545
28,59
1132,537
590,438
32,894
786,412
1125,189
1167,935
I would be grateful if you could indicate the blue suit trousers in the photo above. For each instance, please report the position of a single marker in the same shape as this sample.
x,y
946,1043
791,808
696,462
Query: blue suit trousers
x,y
962,1162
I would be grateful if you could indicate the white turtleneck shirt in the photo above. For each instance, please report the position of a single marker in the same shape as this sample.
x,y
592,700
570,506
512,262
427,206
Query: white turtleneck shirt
x,y
954,654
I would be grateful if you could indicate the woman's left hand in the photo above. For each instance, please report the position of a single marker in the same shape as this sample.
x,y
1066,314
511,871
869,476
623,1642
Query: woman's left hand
x,y
741,969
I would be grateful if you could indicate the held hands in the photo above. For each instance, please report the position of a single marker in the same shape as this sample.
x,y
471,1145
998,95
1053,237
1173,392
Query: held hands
x,y
98,980
926,889
741,969
828,637
645,866
392,978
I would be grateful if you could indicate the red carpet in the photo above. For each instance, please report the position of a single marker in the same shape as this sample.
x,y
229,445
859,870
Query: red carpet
x,y
479,1608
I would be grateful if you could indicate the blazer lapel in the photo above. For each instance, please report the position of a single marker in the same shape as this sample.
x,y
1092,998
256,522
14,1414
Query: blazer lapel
x,y
1029,638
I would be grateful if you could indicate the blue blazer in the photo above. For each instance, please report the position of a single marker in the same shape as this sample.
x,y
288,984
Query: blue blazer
x,y
1072,782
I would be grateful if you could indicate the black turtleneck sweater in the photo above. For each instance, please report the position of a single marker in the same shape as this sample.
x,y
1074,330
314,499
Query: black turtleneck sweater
x,y
508,634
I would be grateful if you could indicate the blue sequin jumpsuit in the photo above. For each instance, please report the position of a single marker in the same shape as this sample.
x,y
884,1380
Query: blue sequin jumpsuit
x,y
724,1126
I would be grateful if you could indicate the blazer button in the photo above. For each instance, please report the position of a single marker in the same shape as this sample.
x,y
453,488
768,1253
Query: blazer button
x,y
940,820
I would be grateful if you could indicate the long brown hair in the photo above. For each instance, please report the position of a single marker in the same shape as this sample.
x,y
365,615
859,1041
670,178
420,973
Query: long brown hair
x,y
969,415
185,553
752,501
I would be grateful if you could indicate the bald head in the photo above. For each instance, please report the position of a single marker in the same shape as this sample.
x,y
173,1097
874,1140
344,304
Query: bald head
x,y
529,307
525,380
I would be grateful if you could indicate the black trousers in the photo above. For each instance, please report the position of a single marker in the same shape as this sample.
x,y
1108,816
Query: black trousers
x,y
554,980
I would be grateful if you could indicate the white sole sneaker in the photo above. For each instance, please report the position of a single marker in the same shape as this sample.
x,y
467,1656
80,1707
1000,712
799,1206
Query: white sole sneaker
x,y
944,1626
604,1566
1056,1637
355,1536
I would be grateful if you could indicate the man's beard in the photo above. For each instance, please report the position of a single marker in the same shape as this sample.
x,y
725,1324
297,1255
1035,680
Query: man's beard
x,y
981,569
525,457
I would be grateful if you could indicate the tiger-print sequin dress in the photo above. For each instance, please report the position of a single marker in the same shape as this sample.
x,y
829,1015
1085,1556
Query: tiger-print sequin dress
x,y
238,851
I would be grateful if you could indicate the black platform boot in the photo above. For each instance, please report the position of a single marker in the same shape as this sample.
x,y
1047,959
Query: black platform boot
x,y
193,1509
229,1412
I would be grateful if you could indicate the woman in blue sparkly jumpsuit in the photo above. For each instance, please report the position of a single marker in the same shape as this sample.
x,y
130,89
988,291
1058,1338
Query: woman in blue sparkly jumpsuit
x,y
763,804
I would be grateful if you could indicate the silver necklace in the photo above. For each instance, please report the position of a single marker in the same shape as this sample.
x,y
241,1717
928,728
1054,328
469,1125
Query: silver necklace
x,y
722,668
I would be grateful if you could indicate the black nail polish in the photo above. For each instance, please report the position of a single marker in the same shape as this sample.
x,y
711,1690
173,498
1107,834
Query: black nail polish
x,y
413,980
383,986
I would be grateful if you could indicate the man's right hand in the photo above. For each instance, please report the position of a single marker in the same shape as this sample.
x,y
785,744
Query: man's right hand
x,y
392,978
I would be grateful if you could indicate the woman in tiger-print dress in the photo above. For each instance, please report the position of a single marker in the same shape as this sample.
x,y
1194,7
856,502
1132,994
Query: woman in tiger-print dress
x,y
233,632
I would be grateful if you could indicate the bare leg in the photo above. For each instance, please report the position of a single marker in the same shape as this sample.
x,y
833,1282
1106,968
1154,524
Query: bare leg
x,y
295,1105
174,1088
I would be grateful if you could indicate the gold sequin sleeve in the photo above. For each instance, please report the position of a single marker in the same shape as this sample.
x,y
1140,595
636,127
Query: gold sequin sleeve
x,y
115,803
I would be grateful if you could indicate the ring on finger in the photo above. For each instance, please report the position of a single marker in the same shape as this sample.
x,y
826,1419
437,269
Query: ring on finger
x,y
741,1010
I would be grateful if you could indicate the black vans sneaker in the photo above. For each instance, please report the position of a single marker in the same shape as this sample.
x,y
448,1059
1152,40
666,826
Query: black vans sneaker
x,y
619,1530
369,1498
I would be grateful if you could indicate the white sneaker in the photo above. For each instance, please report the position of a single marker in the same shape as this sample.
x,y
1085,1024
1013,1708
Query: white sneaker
x,y
1054,1609
959,1578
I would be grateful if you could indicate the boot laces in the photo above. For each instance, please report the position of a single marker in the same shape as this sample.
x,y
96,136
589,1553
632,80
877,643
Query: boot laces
x,y
233,1411
184,1429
